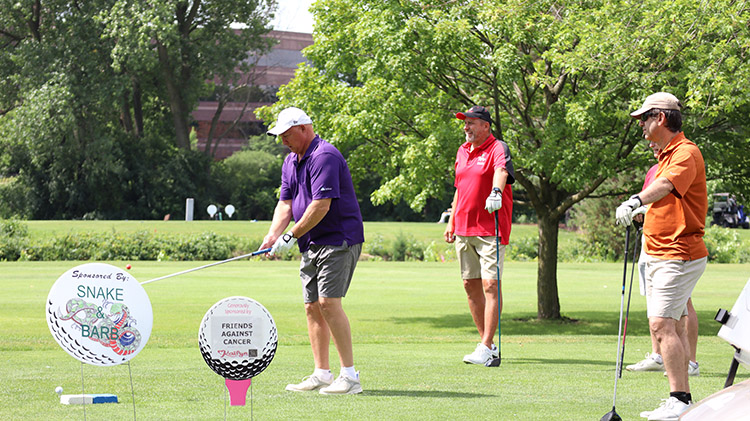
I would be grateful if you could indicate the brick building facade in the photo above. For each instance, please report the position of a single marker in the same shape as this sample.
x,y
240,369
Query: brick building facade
x,y
270,72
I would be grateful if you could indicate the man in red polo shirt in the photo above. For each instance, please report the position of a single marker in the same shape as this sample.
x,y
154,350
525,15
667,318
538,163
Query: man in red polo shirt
x,y
484,173
673,230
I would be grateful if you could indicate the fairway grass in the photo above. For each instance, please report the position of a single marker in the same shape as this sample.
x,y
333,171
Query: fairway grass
x,y
410,326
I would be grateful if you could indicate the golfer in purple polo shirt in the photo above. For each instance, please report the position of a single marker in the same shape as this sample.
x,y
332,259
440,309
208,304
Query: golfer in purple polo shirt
x,y
317,191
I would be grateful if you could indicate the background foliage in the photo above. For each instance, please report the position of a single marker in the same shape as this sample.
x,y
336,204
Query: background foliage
x,y
394,242
386,79
96,101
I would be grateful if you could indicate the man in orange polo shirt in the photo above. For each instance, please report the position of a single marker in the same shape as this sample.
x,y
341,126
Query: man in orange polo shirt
x,y
673,229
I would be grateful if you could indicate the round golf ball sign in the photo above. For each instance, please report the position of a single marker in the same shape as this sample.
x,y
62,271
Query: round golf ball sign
x,y
99,314
238,338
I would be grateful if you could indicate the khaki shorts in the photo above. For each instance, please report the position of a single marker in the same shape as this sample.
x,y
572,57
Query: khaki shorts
x,y
476,257
326,271
669,284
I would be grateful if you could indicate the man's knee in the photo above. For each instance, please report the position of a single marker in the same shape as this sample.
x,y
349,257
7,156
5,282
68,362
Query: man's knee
x,y
490,286
329,305
662,326
472,285
313,309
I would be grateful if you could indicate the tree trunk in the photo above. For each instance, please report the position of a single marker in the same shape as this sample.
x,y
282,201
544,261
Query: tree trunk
x,y
176,102
125,119
137,108
548,303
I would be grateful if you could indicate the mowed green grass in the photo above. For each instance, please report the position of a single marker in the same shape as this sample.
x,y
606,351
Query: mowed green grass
x,y
411,328
421,231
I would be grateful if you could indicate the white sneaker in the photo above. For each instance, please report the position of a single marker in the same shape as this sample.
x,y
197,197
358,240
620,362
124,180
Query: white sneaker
x,y
309,383
343,385
495,351
646,364
480,356
693,371
669,410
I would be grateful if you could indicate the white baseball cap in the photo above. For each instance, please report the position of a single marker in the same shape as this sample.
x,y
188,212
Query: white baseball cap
x,y
660,100
288,118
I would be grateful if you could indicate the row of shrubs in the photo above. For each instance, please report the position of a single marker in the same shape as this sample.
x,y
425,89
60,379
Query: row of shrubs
x,y
724,246
15,244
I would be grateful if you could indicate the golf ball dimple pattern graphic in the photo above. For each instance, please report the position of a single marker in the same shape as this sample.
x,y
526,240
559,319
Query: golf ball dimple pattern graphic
x,y
99,314
241,370
250,365
72,346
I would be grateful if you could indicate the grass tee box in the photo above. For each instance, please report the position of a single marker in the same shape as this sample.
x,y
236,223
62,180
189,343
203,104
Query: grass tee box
x,y
411,328
421,231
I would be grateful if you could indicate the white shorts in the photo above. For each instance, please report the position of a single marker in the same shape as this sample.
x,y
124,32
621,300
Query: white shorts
x,y
669,284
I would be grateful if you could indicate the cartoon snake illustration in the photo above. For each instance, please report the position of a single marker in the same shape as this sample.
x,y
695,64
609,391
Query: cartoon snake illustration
x,y
124,338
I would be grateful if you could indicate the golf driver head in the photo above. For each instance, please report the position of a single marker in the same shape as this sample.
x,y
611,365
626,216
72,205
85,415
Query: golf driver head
x,y
495,362
611,416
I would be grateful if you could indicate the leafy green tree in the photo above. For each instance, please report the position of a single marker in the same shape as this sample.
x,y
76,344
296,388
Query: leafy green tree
x,y
87,92
57,135
560,78
187,43
249,181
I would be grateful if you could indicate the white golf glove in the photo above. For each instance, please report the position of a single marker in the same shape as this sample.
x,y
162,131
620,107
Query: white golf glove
x,y
624,213
494,201
640,211
283,244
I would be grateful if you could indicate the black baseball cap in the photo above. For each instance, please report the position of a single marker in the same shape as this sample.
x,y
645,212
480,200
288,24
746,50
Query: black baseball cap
x,y
476,111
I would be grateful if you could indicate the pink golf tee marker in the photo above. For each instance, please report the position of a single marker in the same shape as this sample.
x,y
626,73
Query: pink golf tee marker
x,y
237,391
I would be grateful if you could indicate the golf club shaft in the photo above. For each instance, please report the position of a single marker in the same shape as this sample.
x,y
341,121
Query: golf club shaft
x,y
255,253
636,250
622,302
497,269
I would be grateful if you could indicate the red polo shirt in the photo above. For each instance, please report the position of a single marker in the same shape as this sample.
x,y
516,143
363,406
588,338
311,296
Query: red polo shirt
x,y
474,172
650,176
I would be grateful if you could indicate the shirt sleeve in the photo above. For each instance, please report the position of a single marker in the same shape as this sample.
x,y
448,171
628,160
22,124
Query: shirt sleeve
x,y
681,171
502,159
324,177
285,193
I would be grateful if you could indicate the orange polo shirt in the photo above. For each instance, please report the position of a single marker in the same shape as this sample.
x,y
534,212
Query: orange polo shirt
x,y
674,225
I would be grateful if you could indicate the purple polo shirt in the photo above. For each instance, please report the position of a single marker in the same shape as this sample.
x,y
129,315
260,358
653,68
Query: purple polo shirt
x,y
323,174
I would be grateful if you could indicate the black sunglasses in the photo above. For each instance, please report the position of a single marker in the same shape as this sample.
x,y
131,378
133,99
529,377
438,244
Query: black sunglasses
x,y
645,116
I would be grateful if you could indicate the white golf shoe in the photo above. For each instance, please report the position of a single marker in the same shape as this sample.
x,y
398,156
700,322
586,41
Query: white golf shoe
x,y
495,351
669,410
646,364
694,370
343,385
309,383
480,356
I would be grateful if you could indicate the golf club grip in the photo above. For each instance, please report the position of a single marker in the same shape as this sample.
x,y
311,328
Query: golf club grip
x,y
255,253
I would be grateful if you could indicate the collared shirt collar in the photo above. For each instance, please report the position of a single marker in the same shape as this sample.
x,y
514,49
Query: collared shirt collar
x,y
313,145
483,146
677,140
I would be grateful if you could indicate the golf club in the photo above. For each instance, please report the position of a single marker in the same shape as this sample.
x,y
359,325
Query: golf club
x,y
495,362
636,250
255,253
612,415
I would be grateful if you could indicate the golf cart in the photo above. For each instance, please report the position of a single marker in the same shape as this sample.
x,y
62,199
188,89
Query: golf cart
x,y
727,213
731,402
